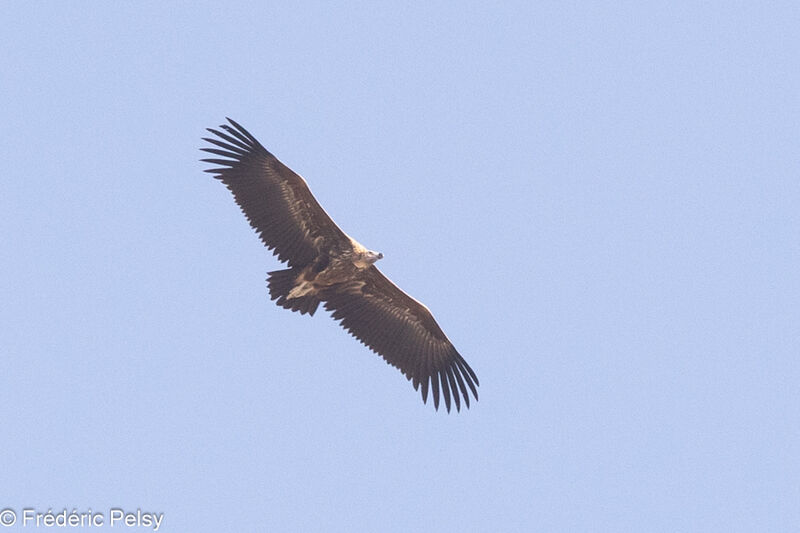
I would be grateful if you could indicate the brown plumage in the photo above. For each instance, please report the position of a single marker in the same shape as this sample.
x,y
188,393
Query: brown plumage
x,y
327,266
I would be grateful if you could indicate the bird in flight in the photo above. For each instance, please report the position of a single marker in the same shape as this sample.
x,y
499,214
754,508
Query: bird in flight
x,y
328,266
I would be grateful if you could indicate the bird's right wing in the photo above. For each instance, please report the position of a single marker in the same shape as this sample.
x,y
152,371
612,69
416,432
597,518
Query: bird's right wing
x,y
276,201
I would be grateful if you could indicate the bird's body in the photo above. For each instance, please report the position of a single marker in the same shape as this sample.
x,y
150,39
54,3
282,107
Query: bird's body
x,y
332,270
328,266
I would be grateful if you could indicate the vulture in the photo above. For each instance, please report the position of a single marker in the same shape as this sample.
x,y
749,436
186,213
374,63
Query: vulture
x,y
325,265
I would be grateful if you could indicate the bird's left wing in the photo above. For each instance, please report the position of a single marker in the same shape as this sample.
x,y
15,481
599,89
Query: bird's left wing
x,y
403,331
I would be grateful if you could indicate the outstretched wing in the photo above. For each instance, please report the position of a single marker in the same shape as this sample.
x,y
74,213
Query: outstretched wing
x,y
276,201
403,331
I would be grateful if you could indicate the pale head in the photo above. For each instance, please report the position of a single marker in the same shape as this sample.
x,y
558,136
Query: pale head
x,y
371,256
362,257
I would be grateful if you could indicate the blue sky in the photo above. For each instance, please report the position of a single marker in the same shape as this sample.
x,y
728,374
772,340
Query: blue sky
x,y
599,202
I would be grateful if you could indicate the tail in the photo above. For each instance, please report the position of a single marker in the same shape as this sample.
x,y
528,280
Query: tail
x,y
280,283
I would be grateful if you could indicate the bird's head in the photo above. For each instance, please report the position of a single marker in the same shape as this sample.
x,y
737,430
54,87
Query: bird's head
x,y
373,256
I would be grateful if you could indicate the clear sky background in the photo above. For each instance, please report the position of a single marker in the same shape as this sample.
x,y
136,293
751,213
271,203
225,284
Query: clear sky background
x,y
600,203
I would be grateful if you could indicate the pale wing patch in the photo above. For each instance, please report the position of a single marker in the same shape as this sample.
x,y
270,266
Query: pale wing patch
x,y
303,288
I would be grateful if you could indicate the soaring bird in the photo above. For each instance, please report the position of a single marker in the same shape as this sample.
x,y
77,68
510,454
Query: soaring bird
x,y
326,265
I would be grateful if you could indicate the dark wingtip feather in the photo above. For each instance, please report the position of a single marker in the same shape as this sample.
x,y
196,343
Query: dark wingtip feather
x,y
435,392
240,133
241,129
232,141
454,388
227,146
223,153
471,372
463,388
224,162
445,389
469,375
